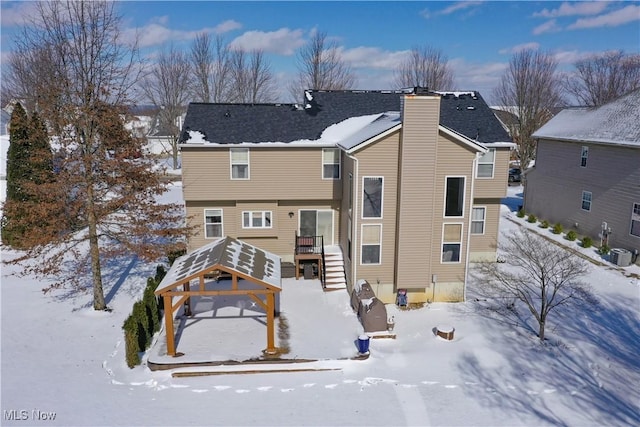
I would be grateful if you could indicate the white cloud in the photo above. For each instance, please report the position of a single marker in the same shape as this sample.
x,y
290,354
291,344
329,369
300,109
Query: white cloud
x,y
227,26
461,5
613,19
483,77
574,8
16,13
519,47
283,41
550,26
373,57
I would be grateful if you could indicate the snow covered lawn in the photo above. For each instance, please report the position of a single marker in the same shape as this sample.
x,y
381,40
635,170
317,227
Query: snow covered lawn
x,y
58,356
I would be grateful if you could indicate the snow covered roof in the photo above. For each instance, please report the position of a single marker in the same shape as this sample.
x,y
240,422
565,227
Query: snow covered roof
x,y
230,254
617,122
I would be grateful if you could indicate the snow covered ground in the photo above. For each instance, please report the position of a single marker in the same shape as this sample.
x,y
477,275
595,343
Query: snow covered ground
x,y
63,364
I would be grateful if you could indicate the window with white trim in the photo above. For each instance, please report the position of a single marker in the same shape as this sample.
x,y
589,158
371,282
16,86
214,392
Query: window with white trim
x,y
635,220
586,200
330,163
256,219
212,223
478,217
451,242
239,163
486,164
372,187
454,196
583,156
371,246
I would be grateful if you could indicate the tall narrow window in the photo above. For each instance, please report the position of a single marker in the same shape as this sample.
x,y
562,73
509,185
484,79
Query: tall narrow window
x,y
584,156
635,220
372,197
256,219
454,199
212,223
451,242
350,192
485,164
586,200
239,163
371,244
330,163
477,220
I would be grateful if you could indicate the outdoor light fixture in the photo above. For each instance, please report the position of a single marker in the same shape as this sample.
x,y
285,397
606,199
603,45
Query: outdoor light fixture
x,y
290,214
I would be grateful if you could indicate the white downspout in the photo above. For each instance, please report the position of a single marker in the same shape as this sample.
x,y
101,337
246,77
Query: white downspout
x,y
354,220
466,267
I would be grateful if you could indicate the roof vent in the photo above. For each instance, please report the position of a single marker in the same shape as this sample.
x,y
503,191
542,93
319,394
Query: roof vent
x,y
227,113
471,107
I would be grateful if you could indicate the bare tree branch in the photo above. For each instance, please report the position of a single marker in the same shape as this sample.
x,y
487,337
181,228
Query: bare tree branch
x,y
427,67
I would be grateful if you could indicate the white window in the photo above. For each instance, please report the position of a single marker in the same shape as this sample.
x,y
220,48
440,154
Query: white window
x,y
371,247
454,196
372,187
239,163
212,223
330,163
485,164
256,219
586,200
635,220
584,156
478,217
451,243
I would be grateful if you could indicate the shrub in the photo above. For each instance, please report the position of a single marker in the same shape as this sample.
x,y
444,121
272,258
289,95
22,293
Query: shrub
x,y
571,235
531,218
587,242
132,349
604,249
544,224
521,213
557,228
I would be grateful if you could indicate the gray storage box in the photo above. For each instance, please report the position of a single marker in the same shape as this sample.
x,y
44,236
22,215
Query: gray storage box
x,y
621,257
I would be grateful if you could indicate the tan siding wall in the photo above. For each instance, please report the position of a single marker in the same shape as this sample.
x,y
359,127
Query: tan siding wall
x,y
612,175
275,174
279,239
379,159
496,186
417,197
454,159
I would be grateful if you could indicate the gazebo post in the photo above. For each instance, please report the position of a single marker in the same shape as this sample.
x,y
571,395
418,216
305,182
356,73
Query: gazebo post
x,y
201,277
168,324
271,307
187,303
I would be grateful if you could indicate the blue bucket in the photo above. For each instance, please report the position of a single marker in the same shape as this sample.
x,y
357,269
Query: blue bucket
x,y
363,344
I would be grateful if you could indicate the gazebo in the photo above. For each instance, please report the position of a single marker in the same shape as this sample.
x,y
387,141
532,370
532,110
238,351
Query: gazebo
x,y
229,256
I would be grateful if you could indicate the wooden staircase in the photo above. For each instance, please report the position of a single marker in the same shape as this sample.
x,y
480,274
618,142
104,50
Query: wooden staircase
x,y
334,266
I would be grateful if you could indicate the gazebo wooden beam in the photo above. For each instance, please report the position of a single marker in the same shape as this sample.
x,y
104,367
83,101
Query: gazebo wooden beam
x,y
220,292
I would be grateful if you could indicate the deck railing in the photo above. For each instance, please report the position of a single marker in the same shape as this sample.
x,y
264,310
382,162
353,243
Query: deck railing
x,y
312,245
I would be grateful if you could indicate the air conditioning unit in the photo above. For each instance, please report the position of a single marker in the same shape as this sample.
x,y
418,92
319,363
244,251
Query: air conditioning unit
x,y
621,257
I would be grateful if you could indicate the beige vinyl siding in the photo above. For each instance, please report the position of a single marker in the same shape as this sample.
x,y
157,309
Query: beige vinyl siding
x,y
555,186
279,239
418,200
276,173
348,168
378,160
496,186
454,159
483,246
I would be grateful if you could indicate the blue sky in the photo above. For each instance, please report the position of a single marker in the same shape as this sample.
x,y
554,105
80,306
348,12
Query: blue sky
x,y
478,37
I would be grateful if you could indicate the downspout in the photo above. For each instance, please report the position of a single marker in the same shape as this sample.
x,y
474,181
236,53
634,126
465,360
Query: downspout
x,y
354,219
466,267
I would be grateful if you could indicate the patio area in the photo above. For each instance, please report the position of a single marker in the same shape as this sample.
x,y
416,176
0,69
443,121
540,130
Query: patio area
x,y
230,329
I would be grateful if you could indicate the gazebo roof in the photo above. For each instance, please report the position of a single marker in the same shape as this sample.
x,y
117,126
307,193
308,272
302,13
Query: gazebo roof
x,y
227,254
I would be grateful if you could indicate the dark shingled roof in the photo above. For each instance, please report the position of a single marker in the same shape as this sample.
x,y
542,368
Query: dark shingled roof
x,y
465,112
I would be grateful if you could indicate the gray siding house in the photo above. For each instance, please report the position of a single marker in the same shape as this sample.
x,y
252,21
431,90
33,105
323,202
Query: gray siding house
x,y
587,172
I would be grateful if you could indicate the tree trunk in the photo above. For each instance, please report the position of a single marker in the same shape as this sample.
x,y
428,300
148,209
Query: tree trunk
x,y
94,251
541,331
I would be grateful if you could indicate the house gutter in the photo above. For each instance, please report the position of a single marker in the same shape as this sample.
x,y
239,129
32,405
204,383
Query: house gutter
x,y
473,182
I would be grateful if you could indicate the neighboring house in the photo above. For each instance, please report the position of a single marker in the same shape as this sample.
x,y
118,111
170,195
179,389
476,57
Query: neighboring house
x,y
404,188
587,172
5,118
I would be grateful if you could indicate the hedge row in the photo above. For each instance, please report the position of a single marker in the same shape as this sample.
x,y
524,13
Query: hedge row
x,y
144,320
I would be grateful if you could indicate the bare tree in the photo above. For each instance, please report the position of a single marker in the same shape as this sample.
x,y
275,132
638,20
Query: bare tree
x,y
427,67
529,89
210,63
104,194
251,79
603,77
538,274
167,87
320,66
